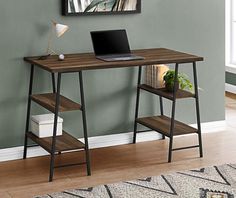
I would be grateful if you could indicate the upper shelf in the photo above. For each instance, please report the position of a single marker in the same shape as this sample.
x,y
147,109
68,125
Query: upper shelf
x,y
48,101
169,95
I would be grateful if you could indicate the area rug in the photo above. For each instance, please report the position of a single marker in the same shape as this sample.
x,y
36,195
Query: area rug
x,y
211,182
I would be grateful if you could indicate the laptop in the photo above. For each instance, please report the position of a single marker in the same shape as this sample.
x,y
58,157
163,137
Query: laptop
x,y
112,45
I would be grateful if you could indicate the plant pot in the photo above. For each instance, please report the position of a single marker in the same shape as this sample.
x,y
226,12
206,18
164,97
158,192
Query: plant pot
x,y
170,87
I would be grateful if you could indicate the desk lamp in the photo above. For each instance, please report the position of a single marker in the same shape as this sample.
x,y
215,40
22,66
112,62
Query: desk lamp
x,y
60,29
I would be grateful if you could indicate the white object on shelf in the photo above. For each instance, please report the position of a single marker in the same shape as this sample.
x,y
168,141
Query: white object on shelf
x,y
42,125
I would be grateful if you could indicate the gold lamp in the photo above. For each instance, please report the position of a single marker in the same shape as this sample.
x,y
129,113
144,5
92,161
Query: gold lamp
x,y
59,29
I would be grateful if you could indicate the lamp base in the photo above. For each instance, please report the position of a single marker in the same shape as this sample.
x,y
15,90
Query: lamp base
x,y
44,57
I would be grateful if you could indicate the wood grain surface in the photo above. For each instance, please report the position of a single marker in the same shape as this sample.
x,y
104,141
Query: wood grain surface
x,y
88,61
48,101
64,142
162,125
166,94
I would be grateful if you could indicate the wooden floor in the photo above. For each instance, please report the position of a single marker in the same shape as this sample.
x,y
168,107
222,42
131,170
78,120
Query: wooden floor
x,y
26,178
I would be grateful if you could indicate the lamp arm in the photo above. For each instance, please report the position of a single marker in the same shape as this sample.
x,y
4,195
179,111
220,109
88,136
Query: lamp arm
x,y
50,41
52,52
49,50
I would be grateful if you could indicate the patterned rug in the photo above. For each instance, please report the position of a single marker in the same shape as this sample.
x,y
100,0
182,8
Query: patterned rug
x,y
211,182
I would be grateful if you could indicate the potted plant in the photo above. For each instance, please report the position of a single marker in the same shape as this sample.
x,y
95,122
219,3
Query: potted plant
x,y
183,81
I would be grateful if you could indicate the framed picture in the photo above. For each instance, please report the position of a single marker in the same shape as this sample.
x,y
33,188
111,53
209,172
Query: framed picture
x,y
89,7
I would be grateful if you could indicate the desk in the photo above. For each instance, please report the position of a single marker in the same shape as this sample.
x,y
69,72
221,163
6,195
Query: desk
x,y
56,103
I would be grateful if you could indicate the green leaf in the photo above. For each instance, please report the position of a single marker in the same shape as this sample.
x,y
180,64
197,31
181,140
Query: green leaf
x,y
183,80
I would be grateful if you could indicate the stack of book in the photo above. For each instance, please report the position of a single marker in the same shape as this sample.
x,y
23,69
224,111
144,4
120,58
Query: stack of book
x,y
155,74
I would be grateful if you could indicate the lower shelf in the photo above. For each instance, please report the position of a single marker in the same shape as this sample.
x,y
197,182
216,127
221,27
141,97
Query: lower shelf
x,y
162,124
65,142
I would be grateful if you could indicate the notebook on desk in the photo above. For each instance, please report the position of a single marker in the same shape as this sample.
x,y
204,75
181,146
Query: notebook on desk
x,y
112,45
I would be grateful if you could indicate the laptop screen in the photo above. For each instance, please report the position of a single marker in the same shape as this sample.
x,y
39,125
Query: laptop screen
x,y
110,42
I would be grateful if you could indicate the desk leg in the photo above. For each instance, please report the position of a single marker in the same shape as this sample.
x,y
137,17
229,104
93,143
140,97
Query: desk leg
x,y
162,111
54,89
53,83
84,123
173,113
28,110
55,127
137,103
197,109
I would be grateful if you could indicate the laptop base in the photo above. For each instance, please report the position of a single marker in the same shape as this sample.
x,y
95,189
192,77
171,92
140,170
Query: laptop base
x,y
124,57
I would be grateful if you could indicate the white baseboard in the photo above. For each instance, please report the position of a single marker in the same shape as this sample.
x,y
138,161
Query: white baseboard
x,y
230,68
105,141
230,88
212,127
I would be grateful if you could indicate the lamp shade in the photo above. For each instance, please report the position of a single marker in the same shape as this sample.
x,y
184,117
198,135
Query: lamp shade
x,y
60,29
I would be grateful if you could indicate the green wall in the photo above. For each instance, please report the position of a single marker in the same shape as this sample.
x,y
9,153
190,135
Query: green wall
x,y
194,26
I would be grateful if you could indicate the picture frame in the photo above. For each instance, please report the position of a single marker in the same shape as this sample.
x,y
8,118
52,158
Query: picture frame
x,y
98,7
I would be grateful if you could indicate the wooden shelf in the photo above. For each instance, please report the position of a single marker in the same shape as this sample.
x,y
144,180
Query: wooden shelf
x,y
48,101
65,142
169,95
162,124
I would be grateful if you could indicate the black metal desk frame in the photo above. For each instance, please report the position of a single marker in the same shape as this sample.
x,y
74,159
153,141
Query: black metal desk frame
x,y
172,125
57,89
